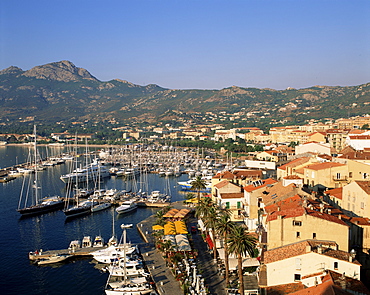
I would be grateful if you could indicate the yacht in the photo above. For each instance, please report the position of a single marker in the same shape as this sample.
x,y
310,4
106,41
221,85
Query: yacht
x,y
127,206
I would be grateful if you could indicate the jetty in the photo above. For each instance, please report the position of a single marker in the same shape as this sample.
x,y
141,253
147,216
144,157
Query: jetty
x,y
76,252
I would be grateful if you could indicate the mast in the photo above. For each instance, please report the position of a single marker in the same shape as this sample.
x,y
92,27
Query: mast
x,y
35,167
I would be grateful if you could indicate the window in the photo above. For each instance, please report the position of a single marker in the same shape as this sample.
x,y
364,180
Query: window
x,y
297,277
298,234
227,205
335,265
350,175
297,223
238,205
338,175
298,263
314,235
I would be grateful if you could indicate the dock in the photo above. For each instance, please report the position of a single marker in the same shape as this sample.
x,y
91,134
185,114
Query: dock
x,y
77,252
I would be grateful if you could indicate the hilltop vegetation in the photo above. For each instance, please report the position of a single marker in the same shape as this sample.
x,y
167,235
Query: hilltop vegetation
x,y
62,92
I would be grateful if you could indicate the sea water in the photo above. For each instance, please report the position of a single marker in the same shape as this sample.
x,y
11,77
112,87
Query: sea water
x,y
52,231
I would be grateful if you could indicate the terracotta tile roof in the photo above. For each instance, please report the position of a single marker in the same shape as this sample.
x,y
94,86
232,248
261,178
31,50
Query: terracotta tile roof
x,y
278,191
224,175
222,184
251,187
326,165
298,210
362,137
292,177
334,283
354,155
325,156
231,195
238,174
247,173
335,192
295,163
292,202
360,221
284,289
296,249
364,185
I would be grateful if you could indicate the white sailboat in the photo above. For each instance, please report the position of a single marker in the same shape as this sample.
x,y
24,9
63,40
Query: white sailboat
x,y
122,285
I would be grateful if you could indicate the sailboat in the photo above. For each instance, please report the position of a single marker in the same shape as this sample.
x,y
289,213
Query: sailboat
x,y
80,208
39,205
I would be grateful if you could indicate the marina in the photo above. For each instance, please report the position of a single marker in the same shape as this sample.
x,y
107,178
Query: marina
x,y
52,231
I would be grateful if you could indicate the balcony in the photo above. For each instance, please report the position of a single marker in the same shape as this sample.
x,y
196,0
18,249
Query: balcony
x,y
340,178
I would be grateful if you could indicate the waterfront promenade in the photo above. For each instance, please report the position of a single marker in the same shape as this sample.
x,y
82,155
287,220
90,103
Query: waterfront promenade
x,y
162,275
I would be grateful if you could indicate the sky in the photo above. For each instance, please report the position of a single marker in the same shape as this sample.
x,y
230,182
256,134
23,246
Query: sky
x,y
194,44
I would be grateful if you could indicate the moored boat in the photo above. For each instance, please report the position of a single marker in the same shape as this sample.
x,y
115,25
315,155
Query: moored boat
x,y
127,206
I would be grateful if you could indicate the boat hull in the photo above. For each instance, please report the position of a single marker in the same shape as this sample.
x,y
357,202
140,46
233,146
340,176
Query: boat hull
x,y
40,209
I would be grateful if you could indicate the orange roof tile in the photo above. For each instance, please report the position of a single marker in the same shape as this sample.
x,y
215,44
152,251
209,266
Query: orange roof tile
x,y
325,165
295,163
335,192
251,187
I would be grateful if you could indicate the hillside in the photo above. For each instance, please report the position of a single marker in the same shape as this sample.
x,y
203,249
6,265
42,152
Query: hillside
x,y
60,91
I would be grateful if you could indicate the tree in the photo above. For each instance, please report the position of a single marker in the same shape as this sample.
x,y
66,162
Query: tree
x,y
210,222
207,211
241,243
224,226
198,184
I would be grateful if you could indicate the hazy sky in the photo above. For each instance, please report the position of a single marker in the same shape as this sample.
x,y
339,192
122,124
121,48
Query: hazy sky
x,y
202,44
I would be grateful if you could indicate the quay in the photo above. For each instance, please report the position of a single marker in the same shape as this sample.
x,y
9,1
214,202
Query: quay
x,y
76,252
162,274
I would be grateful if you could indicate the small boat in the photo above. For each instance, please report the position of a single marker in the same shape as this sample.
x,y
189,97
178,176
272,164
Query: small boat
x,y
86,242
98,241
113,253
133,286
100,206
80,209
53,259
127,206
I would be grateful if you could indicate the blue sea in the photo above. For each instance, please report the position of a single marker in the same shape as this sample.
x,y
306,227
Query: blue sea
x,y
51,231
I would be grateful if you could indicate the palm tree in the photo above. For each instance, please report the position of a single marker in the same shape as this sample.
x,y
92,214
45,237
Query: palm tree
x,y
224,226
198,184
202,208
210,222
241,243
207,211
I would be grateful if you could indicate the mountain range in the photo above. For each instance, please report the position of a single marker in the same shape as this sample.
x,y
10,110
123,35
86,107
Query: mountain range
x,y
60,91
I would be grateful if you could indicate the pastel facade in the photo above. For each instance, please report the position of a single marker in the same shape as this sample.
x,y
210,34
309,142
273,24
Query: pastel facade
x,y
306,262
298,223
329,174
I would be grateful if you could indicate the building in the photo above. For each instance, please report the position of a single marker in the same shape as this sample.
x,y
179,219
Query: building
x,y
291,220
307,261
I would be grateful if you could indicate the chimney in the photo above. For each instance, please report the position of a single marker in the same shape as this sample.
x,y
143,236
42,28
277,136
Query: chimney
x,y
319,249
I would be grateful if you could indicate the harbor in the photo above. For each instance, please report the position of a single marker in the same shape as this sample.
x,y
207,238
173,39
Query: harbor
x,y
53,232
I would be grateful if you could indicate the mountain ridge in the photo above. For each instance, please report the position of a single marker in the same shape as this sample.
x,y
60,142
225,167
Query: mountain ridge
x,y
61,91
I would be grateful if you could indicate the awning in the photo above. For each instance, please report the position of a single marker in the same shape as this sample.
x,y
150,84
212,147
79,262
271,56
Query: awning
x,y
169,228
182,243
180,227
209,241
171,213
233,260
157,227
